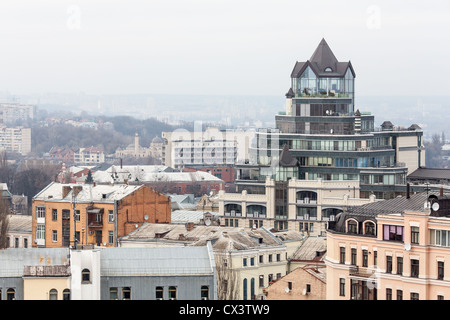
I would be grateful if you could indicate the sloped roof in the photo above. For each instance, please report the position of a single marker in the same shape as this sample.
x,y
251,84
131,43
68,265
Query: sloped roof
x,y
430,173
19,223
309,248
322,59
88,193
286,159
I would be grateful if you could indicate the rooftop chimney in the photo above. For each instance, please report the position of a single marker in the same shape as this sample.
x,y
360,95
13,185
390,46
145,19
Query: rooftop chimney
x,y
65,191
189,226
407,191
441,192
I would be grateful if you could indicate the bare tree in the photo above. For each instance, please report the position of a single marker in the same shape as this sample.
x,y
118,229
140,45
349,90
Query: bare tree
x,y
227,278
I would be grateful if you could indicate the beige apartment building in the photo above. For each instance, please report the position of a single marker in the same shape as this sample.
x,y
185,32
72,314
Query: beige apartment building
x,y
396,249
15,139
309,205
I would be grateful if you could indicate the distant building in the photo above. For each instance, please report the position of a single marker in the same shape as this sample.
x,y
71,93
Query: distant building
x,y
15,139
133,150
19,231
63,154
161,178
10,113
91,155
210,148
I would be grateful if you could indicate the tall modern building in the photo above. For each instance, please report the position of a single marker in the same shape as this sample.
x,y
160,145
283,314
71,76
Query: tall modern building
x,y
327,137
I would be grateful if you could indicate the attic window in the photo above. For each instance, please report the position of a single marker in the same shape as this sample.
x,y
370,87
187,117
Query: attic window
x,y
328,69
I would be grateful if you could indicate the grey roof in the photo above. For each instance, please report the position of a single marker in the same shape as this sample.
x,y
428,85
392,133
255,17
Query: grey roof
x,y
156,261
185,216
18,222
309,248
430,173
397,205
13,260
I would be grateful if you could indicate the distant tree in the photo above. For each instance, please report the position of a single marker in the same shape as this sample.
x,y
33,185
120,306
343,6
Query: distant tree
x,y
89,178
4,222
227,278
433,154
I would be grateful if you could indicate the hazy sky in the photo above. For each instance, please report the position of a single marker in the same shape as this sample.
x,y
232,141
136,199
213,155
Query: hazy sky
x,y
219,46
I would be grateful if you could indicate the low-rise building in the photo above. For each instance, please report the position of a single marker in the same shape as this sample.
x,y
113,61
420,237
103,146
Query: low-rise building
x,y
93,214
19,231
91,155
175,273
391,250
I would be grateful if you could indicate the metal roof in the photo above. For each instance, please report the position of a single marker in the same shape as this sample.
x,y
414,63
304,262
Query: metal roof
x,y
156,261
13,260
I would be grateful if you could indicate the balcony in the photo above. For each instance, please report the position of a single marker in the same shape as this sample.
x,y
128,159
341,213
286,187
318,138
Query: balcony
x,y
95,217
357,271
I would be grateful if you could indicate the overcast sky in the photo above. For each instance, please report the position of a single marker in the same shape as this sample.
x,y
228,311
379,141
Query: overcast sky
x,y
399,47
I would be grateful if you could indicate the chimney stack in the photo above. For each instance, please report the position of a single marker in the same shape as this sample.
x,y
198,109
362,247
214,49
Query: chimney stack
x,y
65,191
441,192
407,191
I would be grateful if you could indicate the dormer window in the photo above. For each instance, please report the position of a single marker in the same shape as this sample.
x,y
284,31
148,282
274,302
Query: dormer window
x,y
328,69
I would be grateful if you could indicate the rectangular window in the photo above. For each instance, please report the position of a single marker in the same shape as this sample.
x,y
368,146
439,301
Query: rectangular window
x,y
414,296
392,233
40,212
414,268
440,270
111,237
342,287
40,231
110,216
365,261
414,234
261,281
399,265
375,258
388,264
399,295
54,214
342,255
54,235
77,215
388,294
113,294
353,257
244,262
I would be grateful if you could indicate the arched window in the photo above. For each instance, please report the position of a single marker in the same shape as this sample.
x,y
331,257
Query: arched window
x,y
352,226
53,294
256,211
85,276
66,294
159,293
369,228
328,69
306,197
173,293
204,294
252,288
11,294
233,209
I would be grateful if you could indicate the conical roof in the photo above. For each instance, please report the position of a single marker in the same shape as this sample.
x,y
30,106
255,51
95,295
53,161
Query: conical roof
x,y
324,58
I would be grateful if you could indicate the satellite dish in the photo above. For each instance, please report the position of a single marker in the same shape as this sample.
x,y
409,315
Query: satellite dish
x,y
304,292
435,206
146,217
208,222
286,290
407,246
426,205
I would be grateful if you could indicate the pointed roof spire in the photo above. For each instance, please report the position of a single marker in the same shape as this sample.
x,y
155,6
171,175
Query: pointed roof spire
x,y
323,57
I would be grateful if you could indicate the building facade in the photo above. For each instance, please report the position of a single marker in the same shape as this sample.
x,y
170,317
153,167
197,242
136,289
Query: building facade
x,y
392,250
212,147
301,205
15,139
91,155
93,214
